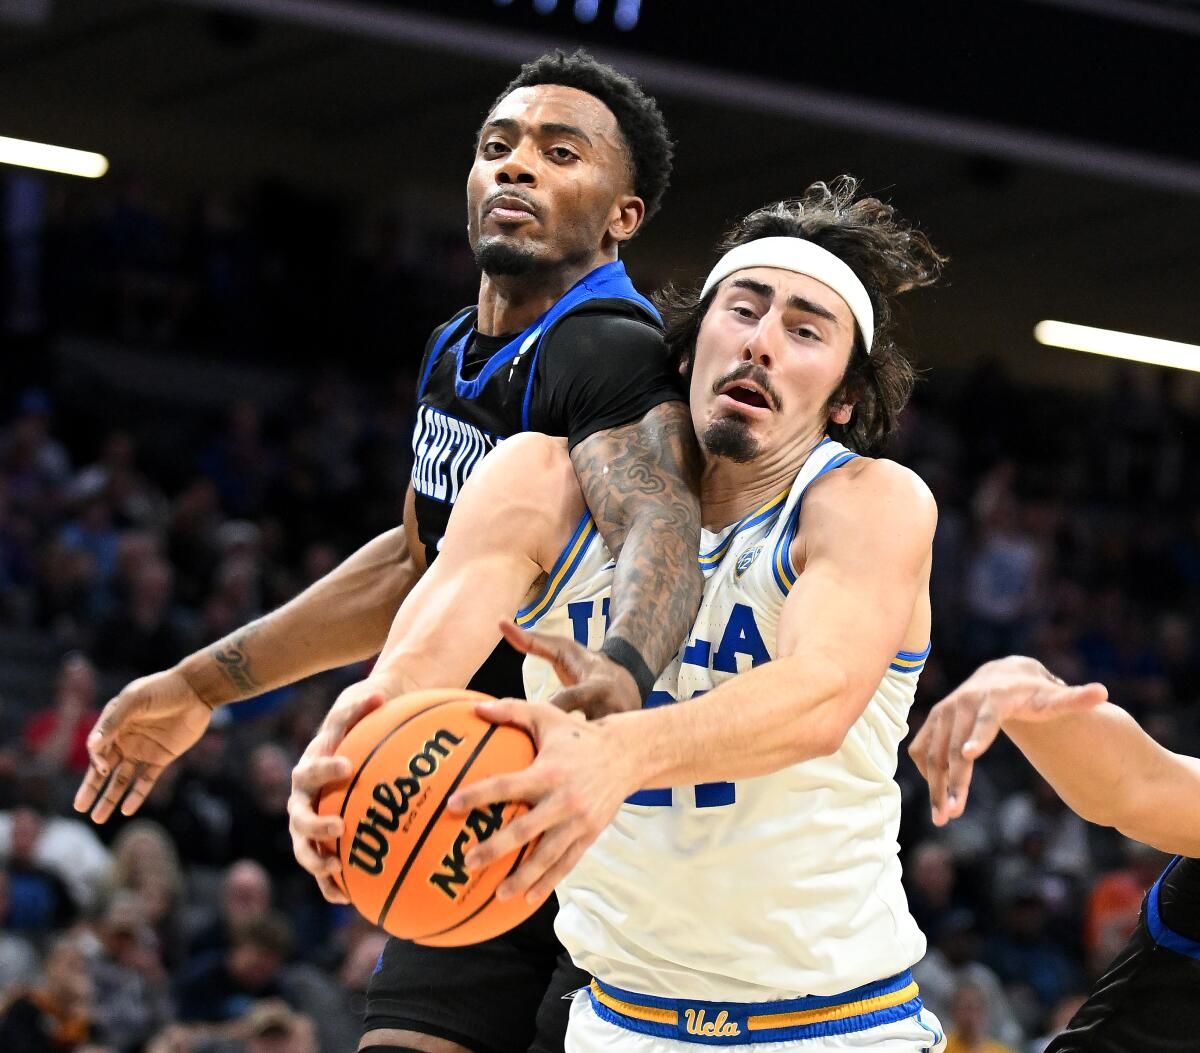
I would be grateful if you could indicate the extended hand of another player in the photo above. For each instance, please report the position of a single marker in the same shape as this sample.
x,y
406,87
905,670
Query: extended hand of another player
x,y
961,727
316,769
574,787
593,684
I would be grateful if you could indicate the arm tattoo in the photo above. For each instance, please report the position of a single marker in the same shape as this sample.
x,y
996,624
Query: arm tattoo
x,y
233,660
642,484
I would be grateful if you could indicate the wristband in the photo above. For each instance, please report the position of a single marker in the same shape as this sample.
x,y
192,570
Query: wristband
x,y
628,658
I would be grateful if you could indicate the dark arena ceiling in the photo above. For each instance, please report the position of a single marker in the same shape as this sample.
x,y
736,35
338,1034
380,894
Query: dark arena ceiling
x,y
1051,147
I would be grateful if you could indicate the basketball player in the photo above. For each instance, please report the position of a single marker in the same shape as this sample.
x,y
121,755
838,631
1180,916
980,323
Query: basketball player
x,y
735,875
1106,768
570,161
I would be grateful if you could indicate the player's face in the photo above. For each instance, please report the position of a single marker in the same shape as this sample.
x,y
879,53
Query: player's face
x,y
550,185
770,353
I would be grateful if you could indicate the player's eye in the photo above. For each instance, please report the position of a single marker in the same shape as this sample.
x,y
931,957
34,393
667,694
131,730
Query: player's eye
x,y
562,153
807,332
742,311
493,148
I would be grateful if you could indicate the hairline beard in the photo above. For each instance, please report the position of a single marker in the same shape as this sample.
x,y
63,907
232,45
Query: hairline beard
x,y
501,259
730,437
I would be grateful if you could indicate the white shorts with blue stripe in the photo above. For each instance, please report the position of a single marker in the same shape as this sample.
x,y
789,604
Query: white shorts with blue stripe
x,y
609,1020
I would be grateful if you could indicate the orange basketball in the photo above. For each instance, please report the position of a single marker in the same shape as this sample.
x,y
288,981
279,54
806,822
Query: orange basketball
x,y
401,851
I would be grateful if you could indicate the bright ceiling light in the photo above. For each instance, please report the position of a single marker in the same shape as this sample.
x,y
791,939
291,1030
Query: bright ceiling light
x,y
52,158
1108,342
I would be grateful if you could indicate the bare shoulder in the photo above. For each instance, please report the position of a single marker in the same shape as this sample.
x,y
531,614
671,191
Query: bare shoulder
x,y
529,468
870,496
523,497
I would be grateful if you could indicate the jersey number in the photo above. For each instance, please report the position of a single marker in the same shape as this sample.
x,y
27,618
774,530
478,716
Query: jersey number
x,y
708,794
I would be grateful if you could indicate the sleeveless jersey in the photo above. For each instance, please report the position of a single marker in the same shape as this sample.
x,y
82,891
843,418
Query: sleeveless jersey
x,y
461,419
1146,1001
783,885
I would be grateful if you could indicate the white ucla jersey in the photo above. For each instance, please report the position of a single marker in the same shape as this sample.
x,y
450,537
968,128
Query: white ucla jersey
x,y
768,888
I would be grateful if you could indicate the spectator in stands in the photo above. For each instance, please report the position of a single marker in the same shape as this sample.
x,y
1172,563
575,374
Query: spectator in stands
x,y
245,896
18,960
92,530
1114,902
1038,809
192,538
146,631
56,1015
39,902
146,864
63,847
218,987
135,501
57,735
130,981
951,963
967,1030
34,463
1035,970
1003,575
930,880
272,1027
257,830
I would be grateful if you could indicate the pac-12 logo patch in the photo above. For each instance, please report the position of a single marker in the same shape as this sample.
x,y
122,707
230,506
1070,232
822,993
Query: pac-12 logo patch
x,y
745,559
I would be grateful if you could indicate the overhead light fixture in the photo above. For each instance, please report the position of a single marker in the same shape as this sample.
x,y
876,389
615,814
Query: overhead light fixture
x,y
49,158
1113,344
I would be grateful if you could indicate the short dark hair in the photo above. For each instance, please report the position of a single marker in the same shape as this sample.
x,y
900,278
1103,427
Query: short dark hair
x,y
271,933
887,255
647,141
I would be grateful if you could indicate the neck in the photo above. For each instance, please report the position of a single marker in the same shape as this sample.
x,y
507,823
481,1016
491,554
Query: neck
x,y
731,491
511,303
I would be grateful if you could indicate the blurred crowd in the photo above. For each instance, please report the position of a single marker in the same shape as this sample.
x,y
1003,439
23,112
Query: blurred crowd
x,y
127,539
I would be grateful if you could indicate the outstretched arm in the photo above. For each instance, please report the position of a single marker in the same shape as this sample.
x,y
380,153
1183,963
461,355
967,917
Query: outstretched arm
x,y
642,483
514,514
1103,765
342,618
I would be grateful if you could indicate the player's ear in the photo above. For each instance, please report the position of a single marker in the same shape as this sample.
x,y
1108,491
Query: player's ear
x,y
626,217
841,412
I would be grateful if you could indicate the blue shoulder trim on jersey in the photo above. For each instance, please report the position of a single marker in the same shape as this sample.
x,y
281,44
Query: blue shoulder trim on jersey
x,y
607,282
560,573
710,559
1159,932
911,661
781,562
440,346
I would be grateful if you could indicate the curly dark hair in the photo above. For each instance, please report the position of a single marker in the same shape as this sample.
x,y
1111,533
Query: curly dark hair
x,y
887,255
647,142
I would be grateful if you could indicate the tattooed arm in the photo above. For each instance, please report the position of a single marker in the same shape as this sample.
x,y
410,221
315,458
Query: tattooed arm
x,y
642,483
342,618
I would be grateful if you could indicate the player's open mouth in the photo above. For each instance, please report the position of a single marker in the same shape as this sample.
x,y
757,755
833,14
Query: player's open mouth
x,y
746,395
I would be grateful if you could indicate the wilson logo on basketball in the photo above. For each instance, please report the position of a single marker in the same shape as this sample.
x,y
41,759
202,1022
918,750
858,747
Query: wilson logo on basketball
x,y
480,825
370,845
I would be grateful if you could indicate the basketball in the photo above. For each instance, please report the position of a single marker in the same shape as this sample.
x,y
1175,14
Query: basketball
x,y
402,851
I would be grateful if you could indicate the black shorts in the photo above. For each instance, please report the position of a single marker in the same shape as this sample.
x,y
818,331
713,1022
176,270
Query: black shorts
x,y
507,995
1149,999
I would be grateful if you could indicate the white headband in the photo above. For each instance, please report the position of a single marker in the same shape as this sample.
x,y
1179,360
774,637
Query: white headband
x,y
801,257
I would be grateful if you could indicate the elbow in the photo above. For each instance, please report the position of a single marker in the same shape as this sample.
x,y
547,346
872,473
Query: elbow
x,y
823,729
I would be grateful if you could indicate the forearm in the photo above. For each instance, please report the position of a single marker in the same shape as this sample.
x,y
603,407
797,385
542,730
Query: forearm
x,y
1110,772
641,484
342,618
776,715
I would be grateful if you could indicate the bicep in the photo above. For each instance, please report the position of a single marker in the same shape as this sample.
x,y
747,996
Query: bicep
x,y
488,560
862,580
